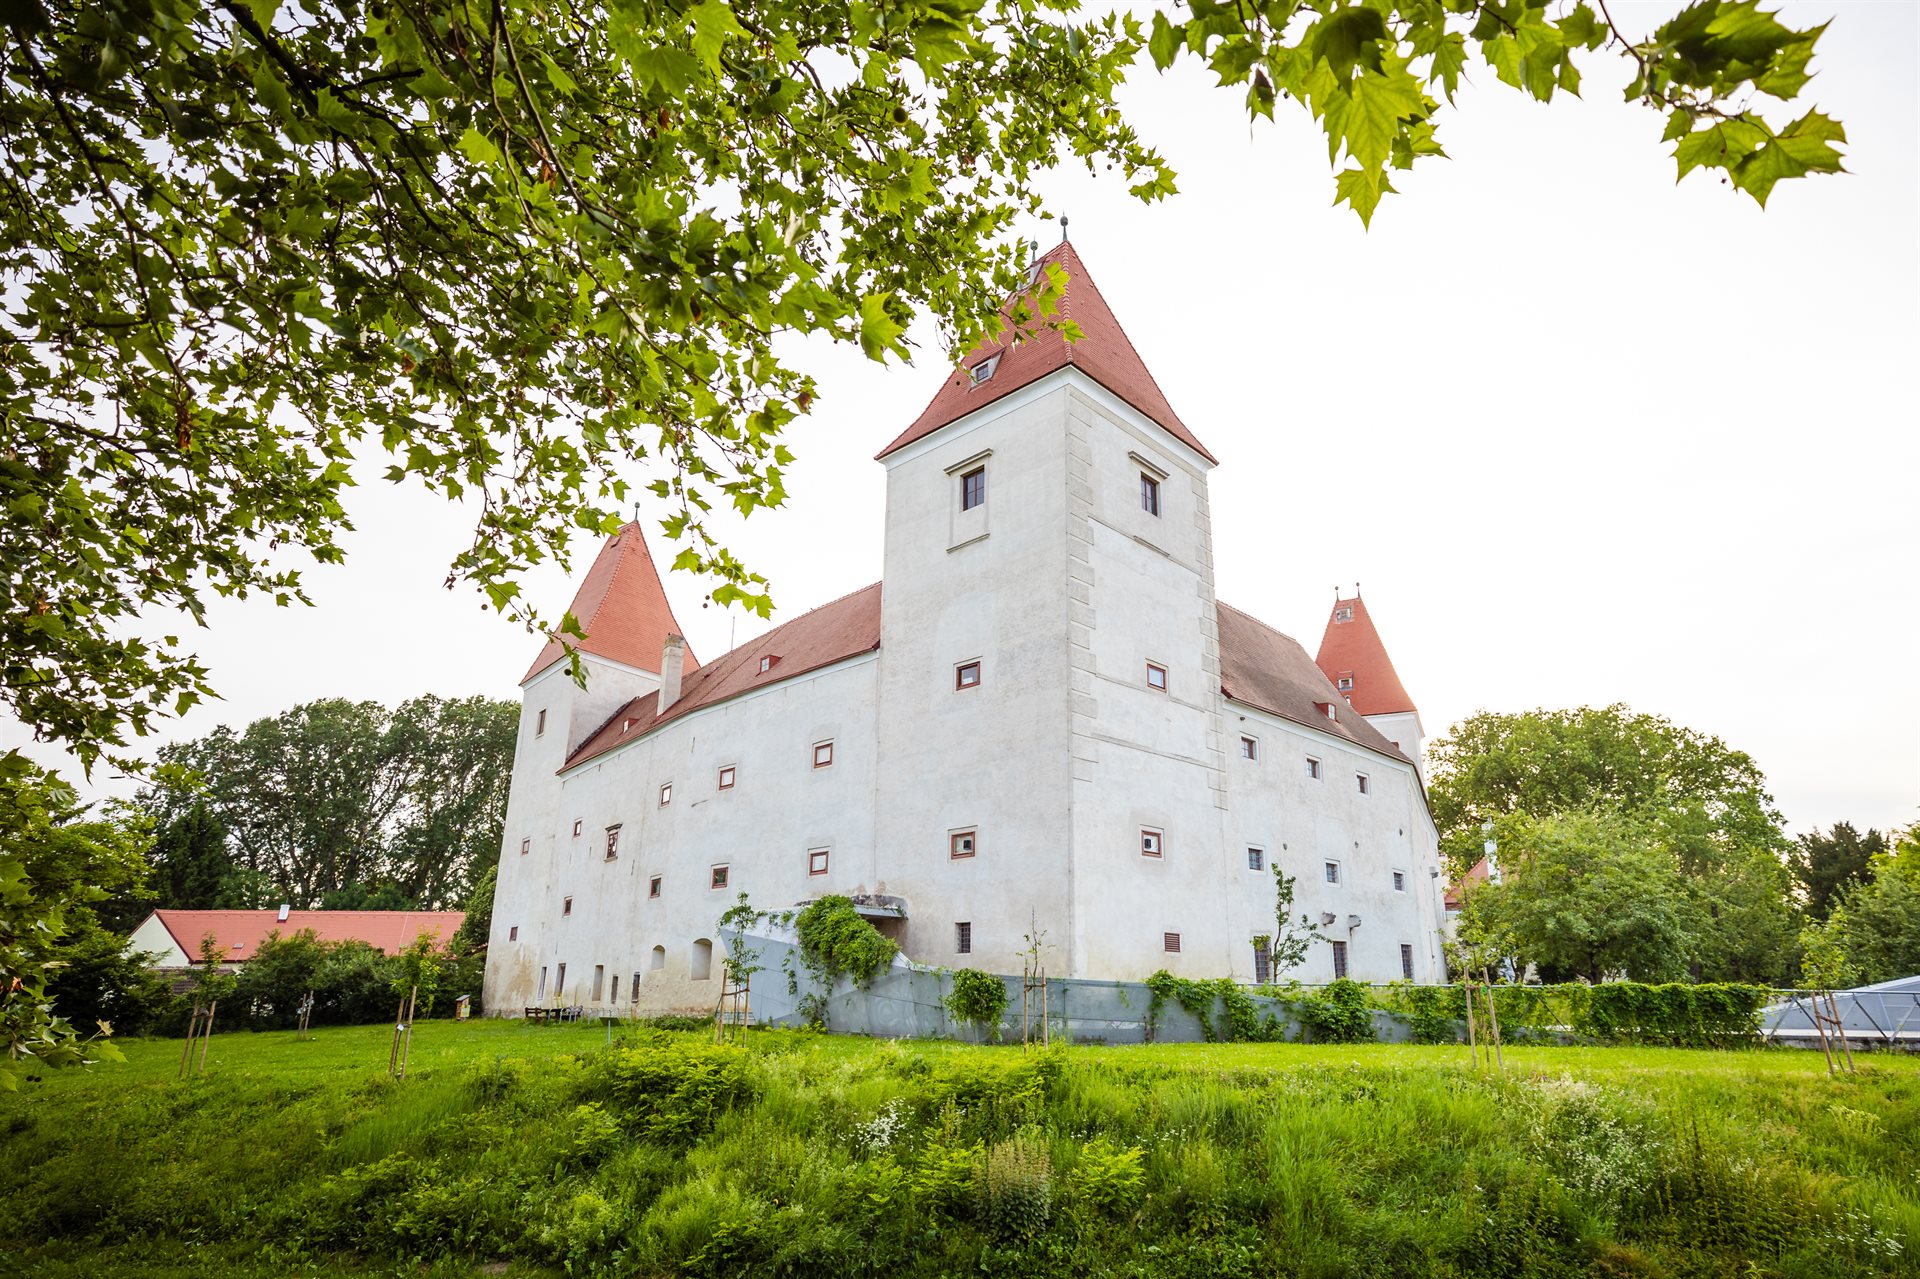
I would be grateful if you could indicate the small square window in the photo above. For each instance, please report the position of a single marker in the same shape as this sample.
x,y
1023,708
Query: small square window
x,y
983,370
822,754
717,877
973,488
613,842
653,886
960,844
1333,872
766,663
1339,959
540,723
1249,748
1343,614
1256,859
526,846
1149,494
1150,843
966,675
566,906
1170,942
963,938
1156,676
1360,780
1345,683
1399,881
666,794
726,778
1406,961
578,825
1313,768
513,934
817,861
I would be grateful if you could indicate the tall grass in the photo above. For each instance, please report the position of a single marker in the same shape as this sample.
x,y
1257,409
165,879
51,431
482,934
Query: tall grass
x,y
553,1151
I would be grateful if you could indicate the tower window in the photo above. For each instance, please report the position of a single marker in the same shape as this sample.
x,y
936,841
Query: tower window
x,y
1406,961
1360,781
963,937
1399,881
973,488
1156,676
1170,942
653,886
717,877
817,861
822,754
613,842
1343,614
960,845
526,846
1333,872
726,778
666,794
566,906
1249,748
966,675
1256,859
1149,494
1346,683
513,933
1339,959
540,723
1150,843
1313,768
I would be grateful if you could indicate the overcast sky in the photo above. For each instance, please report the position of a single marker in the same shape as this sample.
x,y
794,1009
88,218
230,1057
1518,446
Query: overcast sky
x,y
1582,435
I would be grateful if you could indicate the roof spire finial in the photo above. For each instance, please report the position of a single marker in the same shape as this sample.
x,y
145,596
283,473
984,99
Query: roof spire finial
x,y
1063,228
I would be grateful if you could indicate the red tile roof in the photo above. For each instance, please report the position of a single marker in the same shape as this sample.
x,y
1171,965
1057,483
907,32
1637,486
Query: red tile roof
x,y
1263,668
1353,648
622,608
1103,354
1457,890
844,628
238,933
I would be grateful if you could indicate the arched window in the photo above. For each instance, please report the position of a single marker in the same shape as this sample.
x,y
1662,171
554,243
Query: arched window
x,y
659,958
702,964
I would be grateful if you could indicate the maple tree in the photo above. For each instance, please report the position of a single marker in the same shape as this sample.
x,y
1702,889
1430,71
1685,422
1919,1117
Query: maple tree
x,y
535,252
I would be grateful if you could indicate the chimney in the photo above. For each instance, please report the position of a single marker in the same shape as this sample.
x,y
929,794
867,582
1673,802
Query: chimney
x,y
672,658
284,908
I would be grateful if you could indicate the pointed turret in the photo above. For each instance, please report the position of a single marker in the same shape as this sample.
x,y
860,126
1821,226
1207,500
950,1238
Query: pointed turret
x,y
622,608
1354,658
999,366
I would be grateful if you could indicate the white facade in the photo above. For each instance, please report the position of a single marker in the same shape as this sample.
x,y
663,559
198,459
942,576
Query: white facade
x,y
1059,761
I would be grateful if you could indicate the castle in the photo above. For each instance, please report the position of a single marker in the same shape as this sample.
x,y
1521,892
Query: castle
x,y
1044,719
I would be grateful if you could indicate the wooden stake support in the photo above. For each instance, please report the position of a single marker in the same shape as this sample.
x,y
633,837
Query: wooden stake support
x,y
733,1011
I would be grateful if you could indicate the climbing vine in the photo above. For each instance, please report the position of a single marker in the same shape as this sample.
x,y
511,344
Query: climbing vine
x,y
835,941
1239,1017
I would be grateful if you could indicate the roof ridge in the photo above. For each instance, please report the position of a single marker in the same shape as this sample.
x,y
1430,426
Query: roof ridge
x,y
1258,622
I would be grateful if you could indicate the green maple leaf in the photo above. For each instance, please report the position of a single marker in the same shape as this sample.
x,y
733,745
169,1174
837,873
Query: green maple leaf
x,y
1362,189
1380,102
879,331
1803,147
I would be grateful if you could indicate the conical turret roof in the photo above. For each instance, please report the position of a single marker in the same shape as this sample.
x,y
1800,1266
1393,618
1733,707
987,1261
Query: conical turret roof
x,y
1103,353
622,608
1351,650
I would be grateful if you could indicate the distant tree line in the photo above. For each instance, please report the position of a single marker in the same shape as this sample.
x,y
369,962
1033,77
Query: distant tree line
x,y
335,805
1632,847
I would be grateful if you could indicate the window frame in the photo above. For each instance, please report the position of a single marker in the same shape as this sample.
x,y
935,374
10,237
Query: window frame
x,y
655,887
1250,748
579,826
1256,858
826,745
1406,961
1262,961
566,908
1331,872
960,682
963,936
971,835
1339,958
613,843
1150,495
973,496
1153,843
1363,784
540,723
818,861
1169,942
513,932
666,793
718,875
1344,684
729,773
526,845
1314,769
1399,881
1161,687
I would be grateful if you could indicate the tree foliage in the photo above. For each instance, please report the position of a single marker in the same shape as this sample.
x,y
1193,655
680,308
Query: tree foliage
x,y
347,805
542,256
1876,926
1828,863
54,864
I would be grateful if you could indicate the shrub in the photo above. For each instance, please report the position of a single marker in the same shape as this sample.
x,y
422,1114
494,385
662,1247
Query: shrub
x,y
977,999
1014,1187
1105,1178
669,1093
836,939
1337,1013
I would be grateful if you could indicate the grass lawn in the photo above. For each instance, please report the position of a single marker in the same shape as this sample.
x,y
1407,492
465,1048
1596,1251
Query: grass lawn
x,y
521,1150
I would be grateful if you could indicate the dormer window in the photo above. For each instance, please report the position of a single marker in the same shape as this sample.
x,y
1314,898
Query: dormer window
x,y
1326,708
767,662
1343,615
982,371
1345,682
